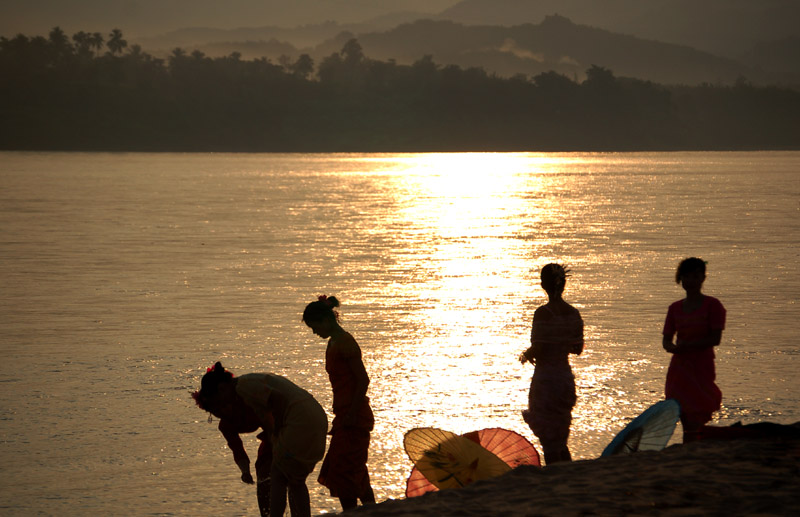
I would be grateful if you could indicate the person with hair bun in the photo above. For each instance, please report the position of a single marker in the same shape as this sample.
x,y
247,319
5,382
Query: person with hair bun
x,y
291,419
557,331
698,320
243,421
344,470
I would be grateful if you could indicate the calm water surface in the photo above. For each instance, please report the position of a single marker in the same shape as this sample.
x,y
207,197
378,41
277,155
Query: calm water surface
x,y
125,275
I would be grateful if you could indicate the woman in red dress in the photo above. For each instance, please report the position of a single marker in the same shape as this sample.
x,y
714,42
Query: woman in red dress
x,y
344,469
698,321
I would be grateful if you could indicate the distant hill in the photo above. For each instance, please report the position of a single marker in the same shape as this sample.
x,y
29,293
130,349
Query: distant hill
x,y
142,18
554,44
667,41
303,38
723,27
215,41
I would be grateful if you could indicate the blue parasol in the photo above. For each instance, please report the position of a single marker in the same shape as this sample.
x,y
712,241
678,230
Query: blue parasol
x,y
649,431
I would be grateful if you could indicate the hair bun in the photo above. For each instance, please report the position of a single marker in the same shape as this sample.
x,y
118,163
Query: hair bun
x,y
330,301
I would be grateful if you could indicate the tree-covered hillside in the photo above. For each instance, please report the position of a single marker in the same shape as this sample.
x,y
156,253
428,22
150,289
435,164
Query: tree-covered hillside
x,y
97,92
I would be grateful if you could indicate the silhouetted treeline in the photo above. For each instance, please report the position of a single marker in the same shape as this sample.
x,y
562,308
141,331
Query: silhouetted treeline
x,y
94,92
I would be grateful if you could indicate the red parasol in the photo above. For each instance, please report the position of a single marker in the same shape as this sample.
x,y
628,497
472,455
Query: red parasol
x,y
510,447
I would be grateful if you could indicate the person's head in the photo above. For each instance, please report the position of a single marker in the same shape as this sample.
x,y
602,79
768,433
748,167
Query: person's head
x,y
321,316
554,278
691,273
216,391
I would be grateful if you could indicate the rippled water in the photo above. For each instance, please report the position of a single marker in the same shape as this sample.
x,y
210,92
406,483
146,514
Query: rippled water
x,y
125,275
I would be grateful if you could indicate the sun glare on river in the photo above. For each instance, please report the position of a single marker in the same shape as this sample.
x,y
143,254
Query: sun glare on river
x,y
477,229
480,257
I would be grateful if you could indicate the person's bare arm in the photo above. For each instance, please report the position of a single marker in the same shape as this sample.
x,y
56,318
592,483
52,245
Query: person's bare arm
x,y
668,345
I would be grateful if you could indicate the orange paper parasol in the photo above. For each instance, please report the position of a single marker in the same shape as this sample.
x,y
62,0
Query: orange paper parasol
x,y
445,460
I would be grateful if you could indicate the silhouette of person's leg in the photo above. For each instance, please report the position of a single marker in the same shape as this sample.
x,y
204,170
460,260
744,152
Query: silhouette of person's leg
x,y
263,467
552,453
555,452
348,503
691,431
299,500
368,497
693,425
277,492
262,494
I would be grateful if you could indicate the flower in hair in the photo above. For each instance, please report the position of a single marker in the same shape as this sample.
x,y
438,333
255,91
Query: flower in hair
x,y
213,368
327,301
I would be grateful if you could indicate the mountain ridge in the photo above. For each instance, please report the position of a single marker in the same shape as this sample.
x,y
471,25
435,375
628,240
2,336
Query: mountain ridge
x,y
773,60
555,44
723,27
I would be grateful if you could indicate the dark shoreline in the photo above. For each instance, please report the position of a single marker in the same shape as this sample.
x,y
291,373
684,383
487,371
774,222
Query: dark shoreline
x,y
339,150
58,96
736,477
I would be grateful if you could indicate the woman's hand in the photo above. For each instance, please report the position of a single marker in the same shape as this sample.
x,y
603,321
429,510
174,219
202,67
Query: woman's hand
x,y
668,345
524,359
247,478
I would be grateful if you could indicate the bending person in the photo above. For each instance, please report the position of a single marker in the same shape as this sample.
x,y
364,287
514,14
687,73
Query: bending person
x,y
246,421
290,414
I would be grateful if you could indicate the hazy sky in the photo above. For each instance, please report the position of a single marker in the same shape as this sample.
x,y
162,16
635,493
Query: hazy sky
x,y
147,17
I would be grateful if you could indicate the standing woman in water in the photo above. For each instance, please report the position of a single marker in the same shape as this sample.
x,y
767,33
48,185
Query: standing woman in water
x,y
557,331
698,321
344,470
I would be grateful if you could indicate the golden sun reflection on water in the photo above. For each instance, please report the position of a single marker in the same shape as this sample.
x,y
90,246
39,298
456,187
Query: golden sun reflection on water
x,y
133,272
477,229
480,255
474,231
